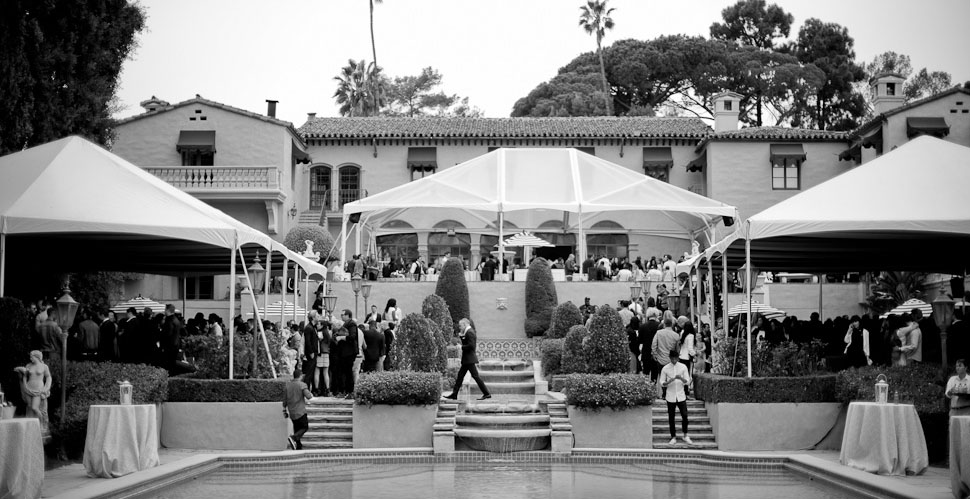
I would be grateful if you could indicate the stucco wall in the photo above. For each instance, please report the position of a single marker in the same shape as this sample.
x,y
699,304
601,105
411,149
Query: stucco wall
x,y
751,427
608,428
389,426
802,299
894,132
224,425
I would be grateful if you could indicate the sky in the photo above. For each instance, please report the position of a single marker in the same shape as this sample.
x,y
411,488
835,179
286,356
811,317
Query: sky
x,y
242,52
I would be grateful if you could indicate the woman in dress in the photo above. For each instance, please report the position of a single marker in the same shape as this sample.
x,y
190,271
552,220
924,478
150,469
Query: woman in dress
x,y
392,314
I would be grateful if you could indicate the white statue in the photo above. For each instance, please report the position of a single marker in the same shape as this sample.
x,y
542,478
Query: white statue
x,y
35,387
695,248
309,253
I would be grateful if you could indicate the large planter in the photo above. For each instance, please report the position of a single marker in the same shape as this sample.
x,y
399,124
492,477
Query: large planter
x,y
608,428
386,426
224,425
778,426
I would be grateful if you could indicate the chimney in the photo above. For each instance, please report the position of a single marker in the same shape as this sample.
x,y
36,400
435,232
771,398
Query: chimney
x,y
153,104
726,111
310,116
887,92
271,108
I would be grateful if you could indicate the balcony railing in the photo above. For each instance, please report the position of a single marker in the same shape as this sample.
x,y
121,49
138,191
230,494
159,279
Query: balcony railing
x,y
219,177
335,203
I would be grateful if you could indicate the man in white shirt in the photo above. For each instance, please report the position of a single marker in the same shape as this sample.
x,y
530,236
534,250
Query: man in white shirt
x,y
674,377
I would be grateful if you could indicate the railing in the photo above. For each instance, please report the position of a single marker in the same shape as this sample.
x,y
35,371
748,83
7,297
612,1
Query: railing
x,y
201,178
344,196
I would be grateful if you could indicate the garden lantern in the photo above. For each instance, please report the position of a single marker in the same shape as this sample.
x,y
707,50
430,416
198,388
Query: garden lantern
x,y
329,303
635,293
66,310
258,274
365,291
882,389
355,284
943,316
125,390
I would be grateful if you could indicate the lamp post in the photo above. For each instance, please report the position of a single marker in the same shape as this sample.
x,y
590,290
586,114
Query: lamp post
x,y
66,310
329,303
943,316
365,291
635,292
257,274
355,283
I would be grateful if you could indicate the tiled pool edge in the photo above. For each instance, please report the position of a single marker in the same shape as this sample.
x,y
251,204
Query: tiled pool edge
x,y
145,482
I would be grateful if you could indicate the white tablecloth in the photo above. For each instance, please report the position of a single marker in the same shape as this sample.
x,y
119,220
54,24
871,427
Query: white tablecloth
x,y
884,438
960,456
21,458
121,439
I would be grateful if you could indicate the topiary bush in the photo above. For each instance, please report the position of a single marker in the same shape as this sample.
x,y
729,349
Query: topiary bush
x,y
616,391
186,389
398,388
435,310
788,358
15,330
573,359
415,345
551,350
453,288
608,349
564,316
919,383
322,240
211,355
540,297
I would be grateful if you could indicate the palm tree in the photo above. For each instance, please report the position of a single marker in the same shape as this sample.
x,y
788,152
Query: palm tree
x,y
361,89
595,18
891,289
373,46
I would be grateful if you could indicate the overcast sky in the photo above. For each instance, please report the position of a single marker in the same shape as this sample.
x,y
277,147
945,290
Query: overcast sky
x,y
242,52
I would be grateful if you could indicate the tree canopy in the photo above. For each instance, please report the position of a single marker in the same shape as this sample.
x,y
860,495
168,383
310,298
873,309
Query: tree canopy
x,y
923,84
60,63
418,96
752,23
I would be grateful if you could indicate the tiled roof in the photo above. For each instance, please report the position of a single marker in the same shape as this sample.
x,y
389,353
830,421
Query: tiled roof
x,y
879,118
765,133
574,127
200,100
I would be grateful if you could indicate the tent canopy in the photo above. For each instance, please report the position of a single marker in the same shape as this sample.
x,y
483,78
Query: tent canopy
x,y
906,210
75,206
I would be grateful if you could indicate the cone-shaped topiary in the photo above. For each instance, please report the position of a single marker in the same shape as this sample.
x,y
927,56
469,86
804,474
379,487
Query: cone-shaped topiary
x,y
608,348
573,359
415,345
564,316
297,236
540,297
435,310
453,288
551,349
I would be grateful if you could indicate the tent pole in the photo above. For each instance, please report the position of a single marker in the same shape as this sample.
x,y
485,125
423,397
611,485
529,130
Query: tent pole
x,y
296,287
185,290
257,318
357,236
820,316
501,242
286,263
3,263
581,241
343,248
232,306
306,294
747,278
269,277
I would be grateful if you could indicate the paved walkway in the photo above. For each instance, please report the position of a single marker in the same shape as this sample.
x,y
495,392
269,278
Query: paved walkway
x,y
71,481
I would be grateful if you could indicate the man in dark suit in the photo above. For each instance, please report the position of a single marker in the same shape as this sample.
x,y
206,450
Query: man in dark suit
x,y
374,347
469,361
108,333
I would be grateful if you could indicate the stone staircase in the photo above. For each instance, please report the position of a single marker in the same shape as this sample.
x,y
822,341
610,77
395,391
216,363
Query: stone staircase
x,y
331,423
698,427
309,217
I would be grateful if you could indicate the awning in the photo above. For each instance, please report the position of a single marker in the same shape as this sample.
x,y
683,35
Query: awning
x,y
657,156
196,140
787,151
422,158
698,164
874,139
933,126
853,153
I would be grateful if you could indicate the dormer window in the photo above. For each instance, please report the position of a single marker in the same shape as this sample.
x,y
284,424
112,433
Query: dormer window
x,y
890,89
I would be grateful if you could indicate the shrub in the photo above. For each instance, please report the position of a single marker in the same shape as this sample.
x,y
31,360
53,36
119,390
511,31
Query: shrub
x,y
918,383
573,360
608,349
211,354
616,391
715,388
186,389
729,355
551,349
453,288
90,383
415,345
322,240
435,310
540,297
788,359
564,316
398,388
15,330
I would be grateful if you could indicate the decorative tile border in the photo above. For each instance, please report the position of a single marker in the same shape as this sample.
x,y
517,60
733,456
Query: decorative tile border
x,y
509,348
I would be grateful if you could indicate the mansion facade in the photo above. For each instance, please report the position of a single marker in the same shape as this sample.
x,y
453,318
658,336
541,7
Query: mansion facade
x,y
273,176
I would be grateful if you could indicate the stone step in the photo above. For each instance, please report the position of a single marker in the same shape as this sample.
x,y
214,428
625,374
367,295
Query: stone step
x,y
681,445
443,427
327,445
444,420
504,365
693,421
690,410
690,403
332,426
503,433
502,421
329,418
331,401
505,388
561,427
490,377
328,435
311,409
697,436
699,428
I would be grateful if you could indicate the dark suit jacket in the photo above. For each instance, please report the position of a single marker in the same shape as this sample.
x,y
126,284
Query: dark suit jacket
x,y
468,345
374,348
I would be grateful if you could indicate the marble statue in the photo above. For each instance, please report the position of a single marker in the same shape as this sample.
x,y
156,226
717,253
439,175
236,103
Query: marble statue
x,y
35,387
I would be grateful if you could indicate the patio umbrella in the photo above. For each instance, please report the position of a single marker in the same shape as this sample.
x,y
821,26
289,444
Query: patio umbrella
x,y
139,303
908,307
273,310
758,308
527,240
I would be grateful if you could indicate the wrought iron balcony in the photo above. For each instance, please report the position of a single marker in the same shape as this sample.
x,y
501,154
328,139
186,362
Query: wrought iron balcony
x,y
224,182
334,200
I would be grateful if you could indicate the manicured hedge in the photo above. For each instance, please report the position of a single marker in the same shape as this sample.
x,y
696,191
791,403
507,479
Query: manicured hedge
x,y
398,388
616,391
564,316
551,349
918,383
435,310
15,330
540,297
226,390
608,348
573,359
715,388
416,345
453,288
321,237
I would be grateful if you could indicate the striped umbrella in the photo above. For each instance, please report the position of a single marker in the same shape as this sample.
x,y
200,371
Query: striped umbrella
x,y
526,239
139,303
757,308
273,310
908,306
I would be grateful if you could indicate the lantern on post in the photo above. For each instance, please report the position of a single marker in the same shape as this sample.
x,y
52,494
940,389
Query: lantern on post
x,y
355,284
66,310
943,316
635,293
125,390
365,291
329,303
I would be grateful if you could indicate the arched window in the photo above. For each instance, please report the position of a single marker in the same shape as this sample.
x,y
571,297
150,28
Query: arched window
x,y
459,244
349,184
555,234
395,246
320,187
612,244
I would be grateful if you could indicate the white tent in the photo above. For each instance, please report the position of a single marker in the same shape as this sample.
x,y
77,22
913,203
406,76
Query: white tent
x,y
527,181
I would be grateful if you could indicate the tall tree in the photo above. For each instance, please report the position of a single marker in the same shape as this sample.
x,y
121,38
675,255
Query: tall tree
x,y
926,83
836,104
417,96
595,19
59,66
373,46
361,89
752,23
917,86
